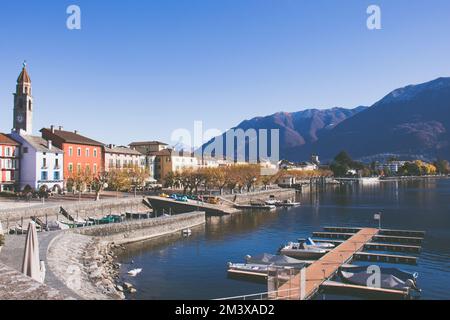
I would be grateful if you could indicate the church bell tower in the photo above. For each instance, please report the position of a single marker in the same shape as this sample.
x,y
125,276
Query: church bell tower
x,y
23,103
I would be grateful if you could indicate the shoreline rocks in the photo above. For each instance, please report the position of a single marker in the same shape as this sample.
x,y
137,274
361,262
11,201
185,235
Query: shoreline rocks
x,y
103,271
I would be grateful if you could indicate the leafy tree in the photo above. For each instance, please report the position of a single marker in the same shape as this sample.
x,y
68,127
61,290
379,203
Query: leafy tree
x,y
100,183
442,166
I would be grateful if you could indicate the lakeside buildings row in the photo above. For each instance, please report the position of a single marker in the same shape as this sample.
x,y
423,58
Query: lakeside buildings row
x,y
30,162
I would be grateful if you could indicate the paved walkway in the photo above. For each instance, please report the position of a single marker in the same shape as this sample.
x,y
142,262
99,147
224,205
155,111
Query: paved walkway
x,y
324,268
12,256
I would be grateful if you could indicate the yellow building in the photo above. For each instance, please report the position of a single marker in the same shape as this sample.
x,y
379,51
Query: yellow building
x,y
169,160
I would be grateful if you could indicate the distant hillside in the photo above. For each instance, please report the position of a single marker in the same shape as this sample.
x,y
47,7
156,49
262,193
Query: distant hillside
x,y
301,128
410,122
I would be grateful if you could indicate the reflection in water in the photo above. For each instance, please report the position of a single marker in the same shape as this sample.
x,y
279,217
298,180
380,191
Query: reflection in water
x,y
195,268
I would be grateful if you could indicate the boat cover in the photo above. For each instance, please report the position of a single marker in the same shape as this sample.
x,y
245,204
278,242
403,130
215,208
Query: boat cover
x,y
391,278
278,260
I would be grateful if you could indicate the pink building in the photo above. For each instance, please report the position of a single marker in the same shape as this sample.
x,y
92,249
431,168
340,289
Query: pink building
x,y
9,163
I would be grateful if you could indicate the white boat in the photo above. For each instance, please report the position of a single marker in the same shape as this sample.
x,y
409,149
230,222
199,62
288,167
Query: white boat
x,y
390,278
275,260
309,243
273,202
297,250
187,232
288,204
134,272
262,269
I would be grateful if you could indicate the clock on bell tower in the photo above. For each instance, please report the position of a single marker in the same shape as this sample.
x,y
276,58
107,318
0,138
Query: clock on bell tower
x,y
23,103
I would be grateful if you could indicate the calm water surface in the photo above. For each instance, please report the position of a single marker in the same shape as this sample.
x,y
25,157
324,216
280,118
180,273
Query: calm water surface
x,y
195,267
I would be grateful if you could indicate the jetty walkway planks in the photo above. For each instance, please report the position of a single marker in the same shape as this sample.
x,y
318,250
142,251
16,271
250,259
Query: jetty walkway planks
x,y
323,269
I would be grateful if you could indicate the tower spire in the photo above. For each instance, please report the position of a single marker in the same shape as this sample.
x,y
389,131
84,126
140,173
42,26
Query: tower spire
x,y
23,102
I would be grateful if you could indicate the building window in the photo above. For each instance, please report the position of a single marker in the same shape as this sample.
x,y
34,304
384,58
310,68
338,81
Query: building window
x,y
44,163
7,151
44,176
95,168
79,168
56,176
79,152
56,163
70,151
95,153
70,167
25,150
88,169
87,152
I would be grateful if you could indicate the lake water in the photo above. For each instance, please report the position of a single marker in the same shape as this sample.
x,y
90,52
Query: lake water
x,y
196,267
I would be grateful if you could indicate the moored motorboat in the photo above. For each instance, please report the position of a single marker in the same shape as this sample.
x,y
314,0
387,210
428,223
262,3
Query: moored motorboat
x,y
273,202
309,243
390,278
287,204
297,250
187,232
254,268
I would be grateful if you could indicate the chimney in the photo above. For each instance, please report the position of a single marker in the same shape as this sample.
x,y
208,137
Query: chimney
x,y
52,128
75,131
60,128
49,144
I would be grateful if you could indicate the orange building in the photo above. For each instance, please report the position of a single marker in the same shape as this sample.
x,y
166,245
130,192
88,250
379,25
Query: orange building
x,y
81,154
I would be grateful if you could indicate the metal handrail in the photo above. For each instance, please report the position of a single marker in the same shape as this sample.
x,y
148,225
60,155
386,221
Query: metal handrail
x,y
276,293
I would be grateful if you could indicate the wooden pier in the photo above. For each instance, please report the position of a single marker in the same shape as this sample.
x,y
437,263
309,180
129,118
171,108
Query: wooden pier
x,y
350,243
323,269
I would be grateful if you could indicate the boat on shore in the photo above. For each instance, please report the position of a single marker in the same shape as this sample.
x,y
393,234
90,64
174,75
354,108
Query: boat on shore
x,y
299,251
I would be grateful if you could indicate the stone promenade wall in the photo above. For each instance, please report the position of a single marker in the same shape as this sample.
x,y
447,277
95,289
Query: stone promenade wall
x,y
280,194
137,230
81,210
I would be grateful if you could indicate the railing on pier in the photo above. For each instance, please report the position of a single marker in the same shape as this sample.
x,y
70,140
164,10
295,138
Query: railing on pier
x,y
269,295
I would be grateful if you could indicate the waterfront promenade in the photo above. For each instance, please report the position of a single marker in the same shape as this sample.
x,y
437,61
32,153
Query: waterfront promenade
x,y
80,262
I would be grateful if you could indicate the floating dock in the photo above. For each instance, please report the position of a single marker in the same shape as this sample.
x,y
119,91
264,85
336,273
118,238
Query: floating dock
x,y
326,267
350,243
344,288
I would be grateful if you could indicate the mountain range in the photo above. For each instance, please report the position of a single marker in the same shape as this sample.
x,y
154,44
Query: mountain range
x,y
410,122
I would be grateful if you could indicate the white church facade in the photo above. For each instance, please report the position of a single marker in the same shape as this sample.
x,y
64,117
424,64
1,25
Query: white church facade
x,y
41,163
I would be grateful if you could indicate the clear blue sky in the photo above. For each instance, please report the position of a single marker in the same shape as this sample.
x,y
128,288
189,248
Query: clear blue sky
x,y
137,70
